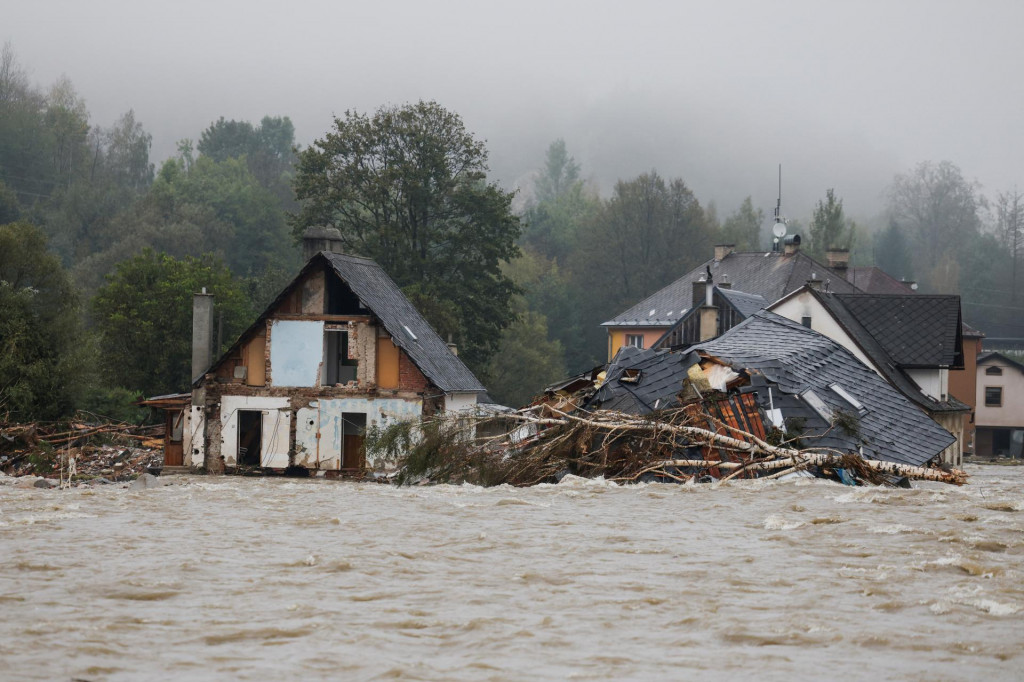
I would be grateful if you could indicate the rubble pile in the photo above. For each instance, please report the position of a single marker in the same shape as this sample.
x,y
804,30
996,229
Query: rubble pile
x,y
110,450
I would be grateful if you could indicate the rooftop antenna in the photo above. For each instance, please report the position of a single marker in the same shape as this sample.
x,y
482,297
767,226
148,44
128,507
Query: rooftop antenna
x,y
779,228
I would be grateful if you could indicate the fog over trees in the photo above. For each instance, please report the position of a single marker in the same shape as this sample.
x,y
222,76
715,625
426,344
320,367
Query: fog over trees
x,y
592,172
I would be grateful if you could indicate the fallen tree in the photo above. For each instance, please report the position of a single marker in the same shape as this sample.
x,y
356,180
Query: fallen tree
x,y
541,443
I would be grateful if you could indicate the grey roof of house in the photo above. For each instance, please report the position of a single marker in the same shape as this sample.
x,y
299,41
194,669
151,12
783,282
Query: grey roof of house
x,y
770,275
916,330
874,280
378,292
744,303
796,358
993,355
661,378
874,348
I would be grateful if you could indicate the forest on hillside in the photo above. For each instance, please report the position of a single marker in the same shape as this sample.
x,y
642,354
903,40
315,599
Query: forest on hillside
x,y
101,247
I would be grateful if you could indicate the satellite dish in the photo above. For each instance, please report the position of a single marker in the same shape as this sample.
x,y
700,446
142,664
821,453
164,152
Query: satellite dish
x,y
779,229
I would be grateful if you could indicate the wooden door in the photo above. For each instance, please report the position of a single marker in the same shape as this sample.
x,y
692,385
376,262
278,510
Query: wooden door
x,y
353,452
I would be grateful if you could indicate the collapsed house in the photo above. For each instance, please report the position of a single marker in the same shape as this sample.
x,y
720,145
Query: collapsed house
x,y
341,350
805,385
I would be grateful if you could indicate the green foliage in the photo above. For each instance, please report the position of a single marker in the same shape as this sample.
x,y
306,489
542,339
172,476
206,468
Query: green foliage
x,y
143,314
40,356
829,227
267,149
526,360
743,227
116,404
892,252
648,234
407,187
939,210
552,223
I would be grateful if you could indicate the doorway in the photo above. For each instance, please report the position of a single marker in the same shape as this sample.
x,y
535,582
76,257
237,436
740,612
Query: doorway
x,y
250,437
353,435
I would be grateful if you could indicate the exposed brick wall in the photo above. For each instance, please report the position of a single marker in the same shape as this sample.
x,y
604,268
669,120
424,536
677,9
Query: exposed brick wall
x,y
410,378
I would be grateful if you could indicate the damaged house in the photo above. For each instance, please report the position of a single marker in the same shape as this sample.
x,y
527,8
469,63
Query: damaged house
x,y
341,350
806,385
913,341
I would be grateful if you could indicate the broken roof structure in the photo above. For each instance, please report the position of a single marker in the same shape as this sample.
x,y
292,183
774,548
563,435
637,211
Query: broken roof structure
x,y
800,377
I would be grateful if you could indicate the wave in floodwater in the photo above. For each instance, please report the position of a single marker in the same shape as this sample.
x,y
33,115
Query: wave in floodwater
x,y
247,578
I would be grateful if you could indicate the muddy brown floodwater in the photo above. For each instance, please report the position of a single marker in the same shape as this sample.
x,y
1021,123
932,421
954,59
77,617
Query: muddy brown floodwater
x,y
244,578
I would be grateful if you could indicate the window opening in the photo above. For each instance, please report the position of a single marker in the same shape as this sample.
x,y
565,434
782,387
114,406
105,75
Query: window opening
x,y
339,365
635,340
993,396
994,371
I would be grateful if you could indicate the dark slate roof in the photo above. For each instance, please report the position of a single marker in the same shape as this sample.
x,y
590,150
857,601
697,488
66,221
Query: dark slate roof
x,y
744,303
797,358
872,346
875,280
770,275
378,292
916,330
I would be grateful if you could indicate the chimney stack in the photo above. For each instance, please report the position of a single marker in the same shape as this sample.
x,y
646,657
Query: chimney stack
x,y
723,250
838,261
202,333
814,282
791,244
700,288
317,239
724,283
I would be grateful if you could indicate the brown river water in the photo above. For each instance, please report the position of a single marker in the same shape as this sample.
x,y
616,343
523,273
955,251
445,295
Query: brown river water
x,y
245,578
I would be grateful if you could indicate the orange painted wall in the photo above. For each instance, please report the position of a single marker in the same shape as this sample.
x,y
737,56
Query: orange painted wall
x,y
617,337
387,363
254,357
963,383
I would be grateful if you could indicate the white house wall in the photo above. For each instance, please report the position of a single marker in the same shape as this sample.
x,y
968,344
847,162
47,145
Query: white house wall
x,y
276,425
932,382
325,416
1011,413
457,402
193,442
805,305
296,352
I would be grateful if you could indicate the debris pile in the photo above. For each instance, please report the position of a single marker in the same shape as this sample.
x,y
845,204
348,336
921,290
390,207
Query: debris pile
x,y
90,449
680,444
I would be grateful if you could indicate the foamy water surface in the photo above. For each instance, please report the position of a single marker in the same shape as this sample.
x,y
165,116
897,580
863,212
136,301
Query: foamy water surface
x,y
244,578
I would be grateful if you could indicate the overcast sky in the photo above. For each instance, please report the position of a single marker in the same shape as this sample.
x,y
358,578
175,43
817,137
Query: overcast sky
x,y
843,95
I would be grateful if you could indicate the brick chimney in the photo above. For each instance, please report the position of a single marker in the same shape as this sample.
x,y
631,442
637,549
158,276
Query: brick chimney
x,y
202,333
317,239
723,250
724,283
838,261
791,244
